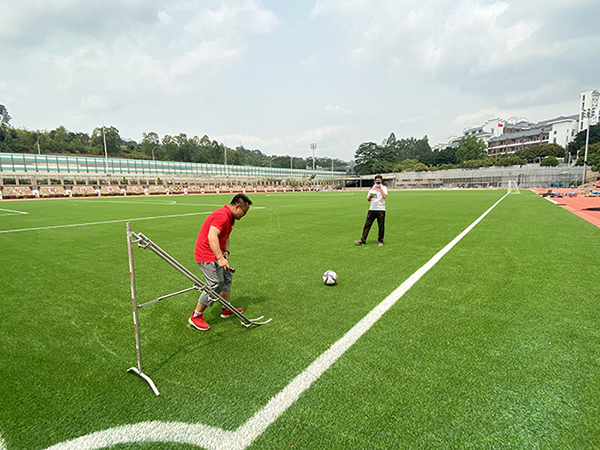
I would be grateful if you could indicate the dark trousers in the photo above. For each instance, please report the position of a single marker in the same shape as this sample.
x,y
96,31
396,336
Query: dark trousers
x,y
371,216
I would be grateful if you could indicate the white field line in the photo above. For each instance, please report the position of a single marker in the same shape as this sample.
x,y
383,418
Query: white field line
x,y
213,438
104,222
128,202
11,211
111,221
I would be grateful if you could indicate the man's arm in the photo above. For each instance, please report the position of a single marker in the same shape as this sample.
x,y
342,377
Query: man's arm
x,y
213,242
226,248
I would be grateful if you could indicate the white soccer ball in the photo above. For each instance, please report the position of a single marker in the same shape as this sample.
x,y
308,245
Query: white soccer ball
x,y
330,278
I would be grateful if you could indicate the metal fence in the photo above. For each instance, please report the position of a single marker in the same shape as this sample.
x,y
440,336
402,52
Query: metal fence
x,y
22,164
526,176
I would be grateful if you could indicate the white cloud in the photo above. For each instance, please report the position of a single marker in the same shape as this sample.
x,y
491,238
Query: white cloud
x,y
543,93
232,17
337,111
441,38
165,19
328,140
202,42
478,117
94,102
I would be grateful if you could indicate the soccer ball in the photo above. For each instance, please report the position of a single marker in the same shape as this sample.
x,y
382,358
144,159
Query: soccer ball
x,y
330,278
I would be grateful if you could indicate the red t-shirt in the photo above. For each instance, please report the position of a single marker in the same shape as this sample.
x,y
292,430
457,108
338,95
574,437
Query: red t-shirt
x,y
221,219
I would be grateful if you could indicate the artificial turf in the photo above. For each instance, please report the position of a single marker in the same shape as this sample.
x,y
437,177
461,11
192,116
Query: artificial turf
x,y
495,347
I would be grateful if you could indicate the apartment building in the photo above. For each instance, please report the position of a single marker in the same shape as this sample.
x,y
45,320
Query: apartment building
x,y
517,136
589,109
508,136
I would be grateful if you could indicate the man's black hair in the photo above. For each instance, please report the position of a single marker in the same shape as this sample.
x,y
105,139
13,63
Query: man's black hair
x,y
240,198
378,177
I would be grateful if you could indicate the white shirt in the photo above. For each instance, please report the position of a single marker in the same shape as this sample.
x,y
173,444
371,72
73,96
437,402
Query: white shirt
x,y
377,200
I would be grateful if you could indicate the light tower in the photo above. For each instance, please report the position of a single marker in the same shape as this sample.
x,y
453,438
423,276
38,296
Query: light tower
x,y
589,111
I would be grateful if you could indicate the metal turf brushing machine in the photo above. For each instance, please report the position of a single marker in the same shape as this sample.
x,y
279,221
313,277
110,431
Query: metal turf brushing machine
x,y
198,285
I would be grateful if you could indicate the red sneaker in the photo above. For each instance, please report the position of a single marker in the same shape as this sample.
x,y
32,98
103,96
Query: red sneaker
x,y
225,313
199,323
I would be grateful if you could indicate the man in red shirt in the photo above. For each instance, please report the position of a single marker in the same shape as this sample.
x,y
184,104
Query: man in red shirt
x,y
212,253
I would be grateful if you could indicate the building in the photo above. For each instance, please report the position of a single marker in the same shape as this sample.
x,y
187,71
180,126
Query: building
x,y
508,136
517,136
492,128
589,109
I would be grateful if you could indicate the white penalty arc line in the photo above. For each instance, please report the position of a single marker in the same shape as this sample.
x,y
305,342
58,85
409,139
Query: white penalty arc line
x,y
212,438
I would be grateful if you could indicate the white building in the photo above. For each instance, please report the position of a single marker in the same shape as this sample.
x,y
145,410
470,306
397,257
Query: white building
x,y
561,131
589,109
488,130
508,136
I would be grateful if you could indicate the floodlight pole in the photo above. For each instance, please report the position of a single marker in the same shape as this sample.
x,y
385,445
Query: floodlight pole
x,y
587,142
225,154
590,114
105,152
313,146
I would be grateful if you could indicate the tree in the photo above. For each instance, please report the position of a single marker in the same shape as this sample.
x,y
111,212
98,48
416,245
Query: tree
x,y
365,156
187,148
408,165
540,151
256,157
509,160
594,157
113,141
549,161
577,146
4,116
151,146
391,154
470,148
443,157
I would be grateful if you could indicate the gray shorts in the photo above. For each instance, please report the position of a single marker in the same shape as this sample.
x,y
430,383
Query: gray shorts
x,y
217,279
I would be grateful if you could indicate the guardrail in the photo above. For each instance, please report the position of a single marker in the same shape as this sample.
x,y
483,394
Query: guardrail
x,y
44,165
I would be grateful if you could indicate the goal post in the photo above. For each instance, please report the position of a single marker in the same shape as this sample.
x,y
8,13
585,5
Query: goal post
x,y
512,187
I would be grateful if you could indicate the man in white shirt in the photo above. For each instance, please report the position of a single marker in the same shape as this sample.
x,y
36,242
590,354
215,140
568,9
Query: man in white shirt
x,y
377,195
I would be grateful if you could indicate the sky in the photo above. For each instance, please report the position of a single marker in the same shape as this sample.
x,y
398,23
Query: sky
x,y
279,75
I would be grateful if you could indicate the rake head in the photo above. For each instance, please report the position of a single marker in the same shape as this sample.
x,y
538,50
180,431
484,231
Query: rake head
x,y
255,322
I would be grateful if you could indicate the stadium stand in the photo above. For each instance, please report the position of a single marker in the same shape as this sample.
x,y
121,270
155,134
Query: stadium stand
x,y
134,190
83,191
158,189
52,191
194,189
17,192
110,190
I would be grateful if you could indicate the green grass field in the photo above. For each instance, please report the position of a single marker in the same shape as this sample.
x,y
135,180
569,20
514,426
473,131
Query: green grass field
x,y
496,347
